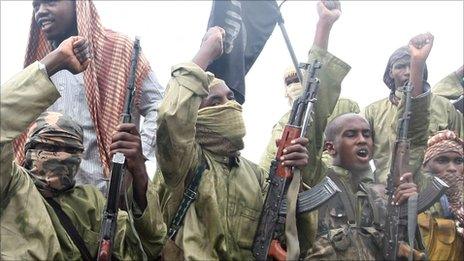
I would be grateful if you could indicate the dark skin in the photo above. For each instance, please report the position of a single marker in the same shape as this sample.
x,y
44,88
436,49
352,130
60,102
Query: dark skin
x,y
352,150
447,163
127,141
412,69
56,18
295,155
73,54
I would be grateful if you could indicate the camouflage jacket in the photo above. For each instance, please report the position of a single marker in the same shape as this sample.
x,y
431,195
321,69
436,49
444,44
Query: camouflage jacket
x,y
383,118
349,223
449,87
30,229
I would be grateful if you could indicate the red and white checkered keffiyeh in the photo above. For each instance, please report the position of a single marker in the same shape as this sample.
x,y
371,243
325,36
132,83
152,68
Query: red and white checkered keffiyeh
x,y
105,78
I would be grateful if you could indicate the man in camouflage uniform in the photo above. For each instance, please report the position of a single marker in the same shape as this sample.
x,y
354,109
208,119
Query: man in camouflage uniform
x,y
331,74
33,194
201,124
407,65
350,224
442,226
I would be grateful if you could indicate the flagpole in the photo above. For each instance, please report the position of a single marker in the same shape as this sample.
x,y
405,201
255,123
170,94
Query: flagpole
x,y
280,21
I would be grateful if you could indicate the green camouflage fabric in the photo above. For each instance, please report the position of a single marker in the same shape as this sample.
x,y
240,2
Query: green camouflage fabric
x,y
342,106
221,223
30,229
383,117
338,237
331,74
54,167
449,87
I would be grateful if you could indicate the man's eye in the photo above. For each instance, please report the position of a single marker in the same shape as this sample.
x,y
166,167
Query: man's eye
x,y
366,133
442,160
459,161
350,134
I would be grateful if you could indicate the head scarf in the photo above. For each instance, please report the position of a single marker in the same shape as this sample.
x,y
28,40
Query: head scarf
x,y
220,129
293,89
105,79
447,141
53,170
443,141
402,52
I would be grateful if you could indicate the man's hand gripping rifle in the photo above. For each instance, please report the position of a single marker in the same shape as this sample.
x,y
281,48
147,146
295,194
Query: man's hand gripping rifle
x,y
401,221
118,169
272,220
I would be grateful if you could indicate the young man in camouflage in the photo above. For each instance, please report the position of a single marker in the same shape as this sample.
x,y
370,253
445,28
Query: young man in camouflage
x,y
201,124
35,195
407,65
331,74
350,223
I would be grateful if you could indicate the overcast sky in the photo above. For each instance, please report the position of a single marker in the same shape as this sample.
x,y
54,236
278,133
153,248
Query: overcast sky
x,y
364,37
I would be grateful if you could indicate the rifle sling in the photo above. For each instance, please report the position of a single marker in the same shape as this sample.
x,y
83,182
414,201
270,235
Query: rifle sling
x,y
190,195
412,223
70,229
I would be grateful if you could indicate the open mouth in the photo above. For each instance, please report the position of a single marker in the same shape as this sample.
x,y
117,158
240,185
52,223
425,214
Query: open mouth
x,y
362,153
45,23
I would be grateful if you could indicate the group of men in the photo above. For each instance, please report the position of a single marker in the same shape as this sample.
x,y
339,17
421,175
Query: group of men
x,y
56,152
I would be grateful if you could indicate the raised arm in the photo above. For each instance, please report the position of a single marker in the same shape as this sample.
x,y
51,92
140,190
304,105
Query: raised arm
x,y
177,152
30,92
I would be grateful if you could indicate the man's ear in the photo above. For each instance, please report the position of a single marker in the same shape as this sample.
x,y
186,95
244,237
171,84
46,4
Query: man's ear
x,y
329,147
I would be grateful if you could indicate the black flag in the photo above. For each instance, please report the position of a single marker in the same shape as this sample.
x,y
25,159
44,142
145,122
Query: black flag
x,y
248,25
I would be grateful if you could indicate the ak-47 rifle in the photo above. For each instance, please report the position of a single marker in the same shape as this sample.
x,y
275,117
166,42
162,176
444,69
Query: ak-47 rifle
x,y
118,169
272,217
397,227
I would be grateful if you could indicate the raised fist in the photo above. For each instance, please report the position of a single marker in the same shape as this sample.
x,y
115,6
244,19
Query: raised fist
x,y
73,54
420,46
211,47
329,11
213,41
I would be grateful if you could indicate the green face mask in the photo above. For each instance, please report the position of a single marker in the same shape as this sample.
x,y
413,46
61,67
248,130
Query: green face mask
x,y
221,128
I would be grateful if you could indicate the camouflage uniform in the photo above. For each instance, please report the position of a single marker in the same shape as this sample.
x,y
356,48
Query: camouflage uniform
x,y
449,87
383,117
30,228
351,231
222,221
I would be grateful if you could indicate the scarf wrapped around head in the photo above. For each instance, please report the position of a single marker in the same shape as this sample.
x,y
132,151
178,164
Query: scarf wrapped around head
x,y
293,87
443,141
54,164
105,78
220,129
447,141
402,52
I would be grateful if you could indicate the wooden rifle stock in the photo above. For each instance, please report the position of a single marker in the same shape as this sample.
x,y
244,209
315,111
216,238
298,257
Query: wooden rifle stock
x,y
280,176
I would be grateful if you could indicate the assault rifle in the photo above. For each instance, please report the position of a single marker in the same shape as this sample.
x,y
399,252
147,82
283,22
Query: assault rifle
x,y
273,214
118,169
397,227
